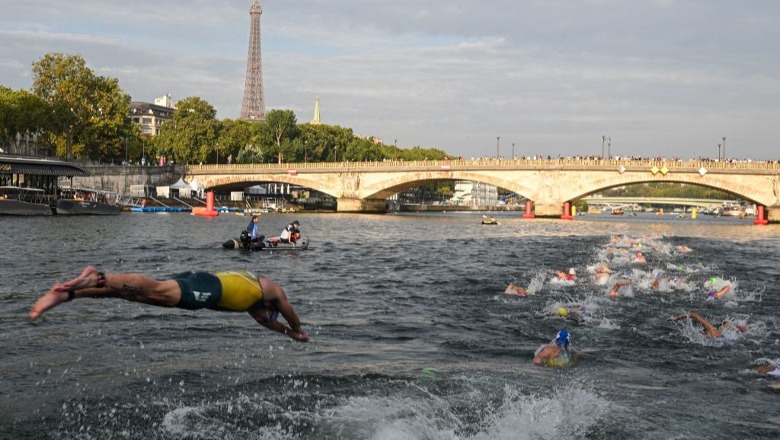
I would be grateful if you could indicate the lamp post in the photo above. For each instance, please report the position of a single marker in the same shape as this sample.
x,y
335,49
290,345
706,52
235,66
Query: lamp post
x,y
603,139
513,150
125,150
609,147
719,152
498,140
724,147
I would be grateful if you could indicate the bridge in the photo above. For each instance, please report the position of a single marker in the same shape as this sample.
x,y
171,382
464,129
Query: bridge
x,y
552,184
622,202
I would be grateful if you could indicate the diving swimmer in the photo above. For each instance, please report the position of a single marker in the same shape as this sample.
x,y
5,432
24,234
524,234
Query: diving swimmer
x,y
238,291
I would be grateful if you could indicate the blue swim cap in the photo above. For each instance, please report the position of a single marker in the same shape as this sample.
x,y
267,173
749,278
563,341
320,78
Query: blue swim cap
x,y
563,338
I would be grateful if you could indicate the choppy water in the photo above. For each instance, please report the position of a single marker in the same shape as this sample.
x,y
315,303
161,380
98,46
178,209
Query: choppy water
x,y
411,336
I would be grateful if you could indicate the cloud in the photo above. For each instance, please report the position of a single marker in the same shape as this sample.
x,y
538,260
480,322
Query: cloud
x,y
659,77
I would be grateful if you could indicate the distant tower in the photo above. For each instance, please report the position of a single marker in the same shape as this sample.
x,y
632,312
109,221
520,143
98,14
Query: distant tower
x,y
316,120
253,108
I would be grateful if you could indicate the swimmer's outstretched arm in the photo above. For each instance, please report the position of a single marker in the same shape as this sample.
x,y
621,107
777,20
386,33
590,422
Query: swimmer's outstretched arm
x,y
709,328
275,296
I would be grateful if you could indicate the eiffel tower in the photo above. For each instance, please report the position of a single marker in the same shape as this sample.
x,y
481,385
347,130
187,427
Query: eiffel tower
x,y
253,108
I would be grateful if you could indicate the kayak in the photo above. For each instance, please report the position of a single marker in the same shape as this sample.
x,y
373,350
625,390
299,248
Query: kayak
x,y
270,244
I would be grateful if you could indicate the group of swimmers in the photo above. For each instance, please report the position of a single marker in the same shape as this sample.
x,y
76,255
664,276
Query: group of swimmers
x,y
624,252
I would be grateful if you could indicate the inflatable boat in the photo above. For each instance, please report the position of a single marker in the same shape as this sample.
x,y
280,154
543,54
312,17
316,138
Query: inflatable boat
x,y
269,244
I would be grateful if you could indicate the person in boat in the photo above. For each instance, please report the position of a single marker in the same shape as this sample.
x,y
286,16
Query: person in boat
x,y
513,289
558,353
253,233
290,233
709,329
571,276
238,291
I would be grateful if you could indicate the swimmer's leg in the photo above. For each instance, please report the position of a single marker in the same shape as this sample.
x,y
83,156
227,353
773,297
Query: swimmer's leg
x,y
130,287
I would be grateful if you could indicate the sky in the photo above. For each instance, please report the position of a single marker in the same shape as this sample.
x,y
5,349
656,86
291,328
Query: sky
x,y
667,78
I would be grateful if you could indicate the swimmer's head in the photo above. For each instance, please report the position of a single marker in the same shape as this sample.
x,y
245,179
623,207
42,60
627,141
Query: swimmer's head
x,y
562,312
563,338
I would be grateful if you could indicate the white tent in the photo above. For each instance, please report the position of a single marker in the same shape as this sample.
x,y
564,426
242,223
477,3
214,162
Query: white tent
x,y
182,187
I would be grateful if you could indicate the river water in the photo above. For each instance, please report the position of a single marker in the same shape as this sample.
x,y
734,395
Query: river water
x,y
411,335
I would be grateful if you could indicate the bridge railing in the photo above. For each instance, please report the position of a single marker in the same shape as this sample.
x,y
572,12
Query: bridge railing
x,y
454,164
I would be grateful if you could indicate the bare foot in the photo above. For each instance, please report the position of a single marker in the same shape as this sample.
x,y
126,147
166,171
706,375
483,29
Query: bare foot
x,y
47,301
88,278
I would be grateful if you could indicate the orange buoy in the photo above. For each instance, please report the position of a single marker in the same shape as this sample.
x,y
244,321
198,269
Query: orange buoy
x,y
529,213
209,210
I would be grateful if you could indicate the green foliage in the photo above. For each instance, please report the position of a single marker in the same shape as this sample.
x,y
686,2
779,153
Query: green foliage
x,y
20,112
191,136
87,113
282,127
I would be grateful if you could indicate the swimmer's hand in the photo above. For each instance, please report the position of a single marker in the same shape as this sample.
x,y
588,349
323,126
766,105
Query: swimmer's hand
x,y
300,335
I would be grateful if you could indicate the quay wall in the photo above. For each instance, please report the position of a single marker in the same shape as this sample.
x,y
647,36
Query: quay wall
x,y
119,178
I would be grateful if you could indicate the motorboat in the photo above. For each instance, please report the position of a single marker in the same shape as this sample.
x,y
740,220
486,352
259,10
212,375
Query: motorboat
x,y
267,244
87,201
15,200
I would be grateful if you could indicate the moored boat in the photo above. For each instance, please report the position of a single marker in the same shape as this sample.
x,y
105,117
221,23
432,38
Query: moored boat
x,y
15,200
87,201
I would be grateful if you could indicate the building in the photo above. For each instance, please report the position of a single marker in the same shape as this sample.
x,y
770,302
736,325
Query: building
x,y
469,193
151,116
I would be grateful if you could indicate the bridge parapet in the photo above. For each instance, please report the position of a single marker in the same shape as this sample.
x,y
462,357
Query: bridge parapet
x,y
550,183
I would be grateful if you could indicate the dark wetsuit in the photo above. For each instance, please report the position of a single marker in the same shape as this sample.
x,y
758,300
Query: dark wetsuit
x,y
233,291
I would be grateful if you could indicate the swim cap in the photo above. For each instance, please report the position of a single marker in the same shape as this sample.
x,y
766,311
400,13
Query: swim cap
x,y
563,338
714,280
563,312
572,271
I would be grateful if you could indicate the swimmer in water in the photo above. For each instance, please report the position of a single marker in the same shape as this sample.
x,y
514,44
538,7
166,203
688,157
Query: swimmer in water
x,y
639,258
513,289
602,274
557,353
769,368
684,248
571,276
614,292
709,329
714,295
573,313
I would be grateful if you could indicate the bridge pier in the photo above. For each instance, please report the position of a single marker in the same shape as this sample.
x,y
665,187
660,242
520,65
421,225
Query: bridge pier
x,y
548,211
773,214
361,205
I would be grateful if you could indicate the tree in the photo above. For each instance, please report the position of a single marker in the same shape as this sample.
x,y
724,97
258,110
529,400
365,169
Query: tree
x,y
282,126
21,112
88,112
191,136
234,134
